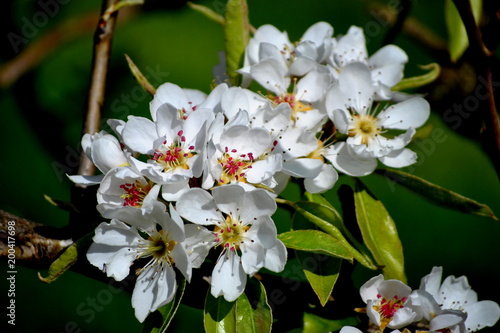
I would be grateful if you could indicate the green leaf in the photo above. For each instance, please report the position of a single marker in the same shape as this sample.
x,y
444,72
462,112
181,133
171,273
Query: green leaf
x,y
457,35
316,324
327,219
437,194
143,81
209,13
315,241
67,258
160,320
379,233
237,35
250,313
253,313
417,81
65,205
321,271
219,315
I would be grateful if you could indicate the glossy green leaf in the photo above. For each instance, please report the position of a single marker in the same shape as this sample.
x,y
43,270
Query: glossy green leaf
x,y
457,35
321,271
421,80
316,324
379,233
253,313
327,219
315,241
67,258
437,194
160,320
219,315
236,37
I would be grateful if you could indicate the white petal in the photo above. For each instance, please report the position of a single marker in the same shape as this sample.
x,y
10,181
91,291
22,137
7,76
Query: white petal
x,y
243,140
115,261
276,257
399,158
198,206
410,113
369,290
228,277
350,329
481,314
444,320
154,288
264,169
318,32
341,119
402,317
387,55
271,75
198,243
173,191
322,182
116,233
107,153
140,134
312,87
432,281
345,161
303,167
86,180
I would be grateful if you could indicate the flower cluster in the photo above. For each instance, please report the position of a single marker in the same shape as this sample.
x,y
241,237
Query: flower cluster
x,y
203,171
450,307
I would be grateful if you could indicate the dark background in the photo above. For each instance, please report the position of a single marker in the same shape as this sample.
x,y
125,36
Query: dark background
x,y
42,114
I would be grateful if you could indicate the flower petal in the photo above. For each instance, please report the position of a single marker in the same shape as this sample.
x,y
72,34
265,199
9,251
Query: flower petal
x,y
413,112
198,206
228,277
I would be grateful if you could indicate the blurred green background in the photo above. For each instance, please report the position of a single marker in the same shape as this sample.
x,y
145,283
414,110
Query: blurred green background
x,y
42,114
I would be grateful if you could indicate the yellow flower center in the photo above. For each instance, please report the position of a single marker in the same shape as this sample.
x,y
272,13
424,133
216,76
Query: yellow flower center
x,y
230,234
365,126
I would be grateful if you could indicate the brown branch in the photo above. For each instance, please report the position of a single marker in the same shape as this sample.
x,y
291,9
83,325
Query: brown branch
x,y
29,241
100,60
482,60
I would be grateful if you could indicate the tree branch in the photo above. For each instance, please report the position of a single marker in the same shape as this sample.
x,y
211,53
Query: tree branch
x,y
100,60
34,245
482,60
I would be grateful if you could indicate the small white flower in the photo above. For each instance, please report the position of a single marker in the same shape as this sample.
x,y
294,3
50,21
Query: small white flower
x,y
386,302
349,106
175,144
243,229
117,245
456,294
386,65
244,155
105,152
123,191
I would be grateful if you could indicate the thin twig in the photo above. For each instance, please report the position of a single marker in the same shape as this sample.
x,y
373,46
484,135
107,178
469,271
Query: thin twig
x,y
482,60
100,60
